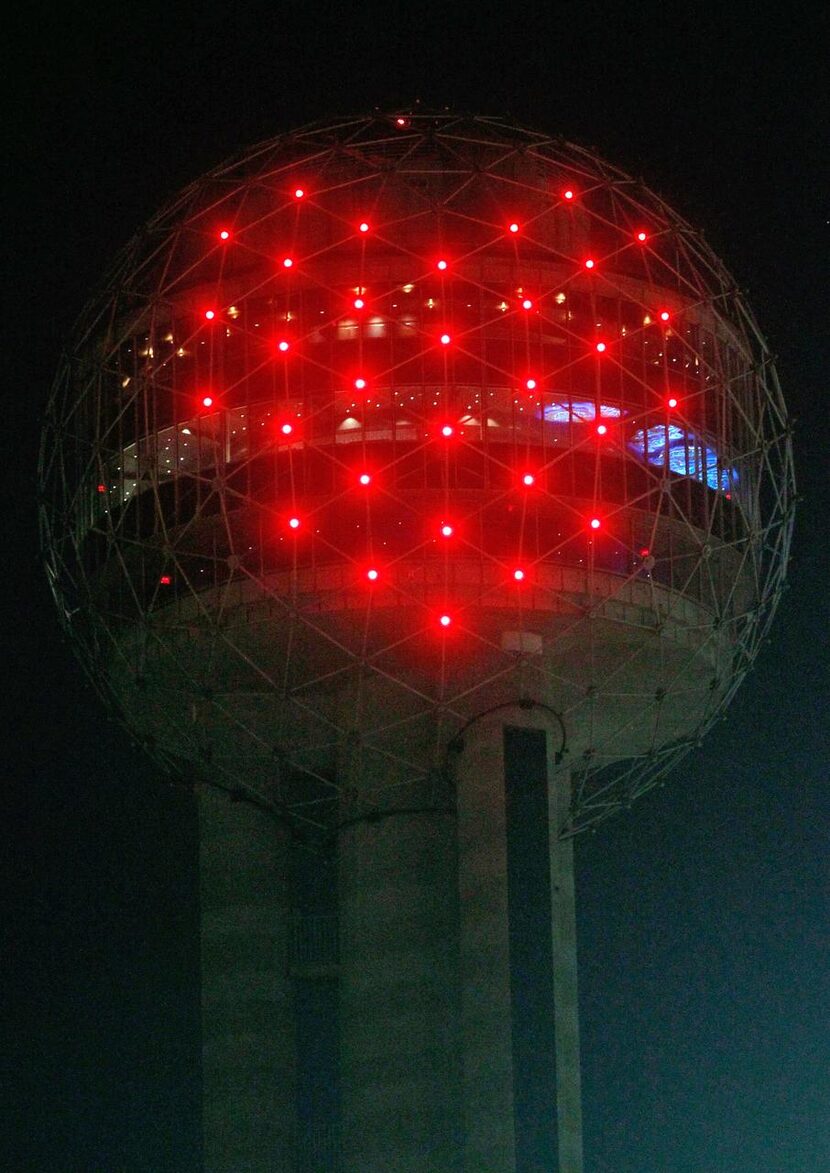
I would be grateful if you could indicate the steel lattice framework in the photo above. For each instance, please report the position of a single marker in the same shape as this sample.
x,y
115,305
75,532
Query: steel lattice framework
x,y
394,420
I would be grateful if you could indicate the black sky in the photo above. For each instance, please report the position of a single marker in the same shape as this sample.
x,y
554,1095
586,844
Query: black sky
x,y
704,913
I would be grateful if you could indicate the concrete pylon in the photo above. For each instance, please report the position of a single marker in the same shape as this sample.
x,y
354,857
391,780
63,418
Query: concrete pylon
x,y
248,1033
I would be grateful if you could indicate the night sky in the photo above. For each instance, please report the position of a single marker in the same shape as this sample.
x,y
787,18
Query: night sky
x,y
704,914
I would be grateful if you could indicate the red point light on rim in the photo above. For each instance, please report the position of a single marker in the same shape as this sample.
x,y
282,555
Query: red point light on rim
x,y
287,429
447,530
358,303
360,384
527,304
589,263
101,488
207,401
664,315
530,384
644,551
294,523
445,620
287,262
528,479
601,348
447,430
224,234
642,236
363,226
519,574
442,264
372,574
210,315
365,478
602,429
595,523
445,340
513,227
283,346
568,193
671,401
299,193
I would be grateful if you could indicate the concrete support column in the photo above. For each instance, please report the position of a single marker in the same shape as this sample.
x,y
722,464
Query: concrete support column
x,y
398,989
247,1013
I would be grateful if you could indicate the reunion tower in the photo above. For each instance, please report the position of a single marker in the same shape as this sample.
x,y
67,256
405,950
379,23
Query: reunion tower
x,y
419,489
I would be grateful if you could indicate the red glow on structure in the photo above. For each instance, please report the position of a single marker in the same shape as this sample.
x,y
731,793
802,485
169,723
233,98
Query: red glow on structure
x,y
528,479
287,262
671,401
589,263
360,384
102,488
210,315
601,348
224,234
165,580
664,315
595,523
442,264
642,237
293,523
527,304
365,478
286,429
372,574
447,530
445,620
644,551
358,303
568,194
448,430
530,384
514,227
299,193
363,226
602,429
283,346
445,340
207,401
519,574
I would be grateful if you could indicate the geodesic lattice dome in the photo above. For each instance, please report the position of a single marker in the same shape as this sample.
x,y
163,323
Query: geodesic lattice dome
x,y
395,420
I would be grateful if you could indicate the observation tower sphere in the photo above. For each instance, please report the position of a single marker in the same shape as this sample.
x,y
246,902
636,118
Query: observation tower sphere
x,y
388,441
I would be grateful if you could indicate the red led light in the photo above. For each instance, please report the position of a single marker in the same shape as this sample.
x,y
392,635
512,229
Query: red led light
x,y
102,488
299,192
568,194
283,346
589,263
601,348
372,575
671,401
644,551
401,121
442,264
664,315
601,429
210,315
447,430
595,523
514,227
294,523
165,580
207,401
528,479
287,262
445,620
642,237
358,303
286,429
527,304
224,234
519,574
360,384
446,530
530,384
365,478
363,226
445,340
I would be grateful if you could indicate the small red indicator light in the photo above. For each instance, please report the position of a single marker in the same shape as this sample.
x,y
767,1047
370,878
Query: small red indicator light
x,y
528,479
519,574
400,121
299,192
447,430
446,530
286,429
363,226
358,303
224,234
210,315
442,264
365,478
527,304
360,384
294,522
595,523
372,575
165,580
642,237
590,263
567,194
671,401
664,315
601,429
445,339
287,262
514,227
644,551
530,384
445,620
601,348
207,401
283,346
